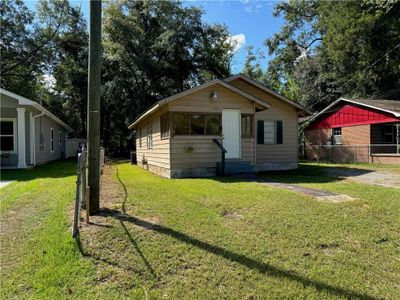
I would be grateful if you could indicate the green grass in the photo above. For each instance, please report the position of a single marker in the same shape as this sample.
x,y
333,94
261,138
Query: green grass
x,y
160,238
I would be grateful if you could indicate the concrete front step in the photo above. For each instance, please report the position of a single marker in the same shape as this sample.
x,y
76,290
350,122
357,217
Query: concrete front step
x,y
235,167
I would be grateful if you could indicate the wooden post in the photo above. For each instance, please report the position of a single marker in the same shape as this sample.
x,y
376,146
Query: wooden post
x,y
93,123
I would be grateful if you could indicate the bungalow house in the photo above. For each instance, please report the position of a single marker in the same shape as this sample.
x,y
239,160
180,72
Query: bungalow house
x,y
355,130
187,134
29,133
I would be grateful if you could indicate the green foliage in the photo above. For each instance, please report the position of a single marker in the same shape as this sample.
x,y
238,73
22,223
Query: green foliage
x,y
199,238
334,48
152,49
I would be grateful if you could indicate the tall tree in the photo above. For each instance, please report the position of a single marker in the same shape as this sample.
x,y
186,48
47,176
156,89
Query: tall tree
x,y
334,48
155,49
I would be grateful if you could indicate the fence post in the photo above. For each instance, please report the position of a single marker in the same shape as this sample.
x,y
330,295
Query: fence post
x,y
355,153
75,229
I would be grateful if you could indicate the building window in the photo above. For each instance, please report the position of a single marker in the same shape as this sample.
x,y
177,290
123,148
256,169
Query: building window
x,y
7,135
150,136
269,132
388,133
164,124
59,138
337,135
247,126
213,124
139,136
196,124
51,139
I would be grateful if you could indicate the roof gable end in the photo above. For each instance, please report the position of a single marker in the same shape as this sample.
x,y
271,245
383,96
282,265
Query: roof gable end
x,y
162,102
267,90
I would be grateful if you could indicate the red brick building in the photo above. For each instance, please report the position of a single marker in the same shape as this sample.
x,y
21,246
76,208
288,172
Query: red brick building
x,y
355,130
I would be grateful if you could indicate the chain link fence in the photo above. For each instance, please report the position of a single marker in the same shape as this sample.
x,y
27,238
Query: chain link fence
x,y
81,186
348,153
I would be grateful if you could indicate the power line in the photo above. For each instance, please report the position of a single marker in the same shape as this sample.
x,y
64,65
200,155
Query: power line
x,y
369,66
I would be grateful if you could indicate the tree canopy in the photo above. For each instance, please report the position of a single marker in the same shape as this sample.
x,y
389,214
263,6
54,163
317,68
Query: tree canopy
x,y
151,50
327,49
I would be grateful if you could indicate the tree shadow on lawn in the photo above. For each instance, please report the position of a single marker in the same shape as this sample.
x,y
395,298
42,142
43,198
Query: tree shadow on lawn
x,y
263,268
304,174
313,174
54,169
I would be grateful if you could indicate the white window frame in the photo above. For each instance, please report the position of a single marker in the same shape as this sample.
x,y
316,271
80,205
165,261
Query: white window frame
x,y
51,140
335,140
59,138
14,120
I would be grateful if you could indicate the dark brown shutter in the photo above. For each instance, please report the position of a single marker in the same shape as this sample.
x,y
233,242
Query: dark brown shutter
x,y
260,132
279,132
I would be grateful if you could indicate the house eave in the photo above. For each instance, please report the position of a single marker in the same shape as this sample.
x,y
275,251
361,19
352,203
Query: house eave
x,y
299,107
24,101
161,103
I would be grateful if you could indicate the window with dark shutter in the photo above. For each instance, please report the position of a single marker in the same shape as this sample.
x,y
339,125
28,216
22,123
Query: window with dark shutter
x,y
269,132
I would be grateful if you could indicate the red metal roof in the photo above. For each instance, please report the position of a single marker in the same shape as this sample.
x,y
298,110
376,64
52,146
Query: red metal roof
x,y
350,115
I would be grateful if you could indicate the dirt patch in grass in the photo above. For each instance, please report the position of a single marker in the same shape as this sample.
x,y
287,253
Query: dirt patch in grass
x,y
231,215
336,198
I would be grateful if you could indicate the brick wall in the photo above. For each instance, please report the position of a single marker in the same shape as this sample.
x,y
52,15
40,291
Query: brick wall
x,y
317,136
356,135
352,135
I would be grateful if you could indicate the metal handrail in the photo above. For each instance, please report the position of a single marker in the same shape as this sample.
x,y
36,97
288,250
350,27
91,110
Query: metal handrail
x,y
223,151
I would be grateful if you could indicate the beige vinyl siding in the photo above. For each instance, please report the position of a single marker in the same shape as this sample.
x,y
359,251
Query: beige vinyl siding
x,y
201,101
159,155
205,153
280,110
248,149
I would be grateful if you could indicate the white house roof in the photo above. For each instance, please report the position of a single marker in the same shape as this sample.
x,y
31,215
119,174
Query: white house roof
x,y
264,88
162,102
24,101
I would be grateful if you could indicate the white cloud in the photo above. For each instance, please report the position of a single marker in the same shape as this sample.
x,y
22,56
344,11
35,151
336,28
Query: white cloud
x,y
237,41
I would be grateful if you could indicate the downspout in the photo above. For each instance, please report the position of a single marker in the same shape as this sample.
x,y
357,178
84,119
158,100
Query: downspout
x,y
34,136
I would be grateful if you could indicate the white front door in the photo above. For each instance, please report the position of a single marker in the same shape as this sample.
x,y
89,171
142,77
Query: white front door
x,y
231,132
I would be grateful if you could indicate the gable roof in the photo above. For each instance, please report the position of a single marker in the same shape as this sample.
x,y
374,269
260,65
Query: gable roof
x,y
388,106
24,101
164,101
265,89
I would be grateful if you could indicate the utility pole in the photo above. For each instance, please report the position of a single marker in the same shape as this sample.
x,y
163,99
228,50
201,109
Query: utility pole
x,y
93,118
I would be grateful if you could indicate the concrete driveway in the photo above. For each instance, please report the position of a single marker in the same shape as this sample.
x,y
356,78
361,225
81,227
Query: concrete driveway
x,y
3,183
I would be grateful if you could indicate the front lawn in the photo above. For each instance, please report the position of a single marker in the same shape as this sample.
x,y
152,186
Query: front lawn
x,y
199,238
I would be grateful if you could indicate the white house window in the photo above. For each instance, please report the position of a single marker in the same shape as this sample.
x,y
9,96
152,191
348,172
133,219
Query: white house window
x,y
337,135
7,135
269,132
52,140
150,136
59,138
